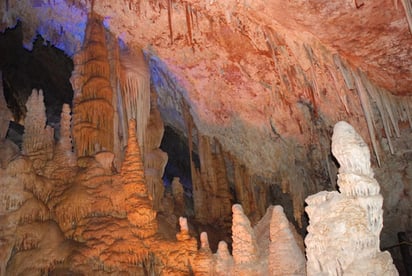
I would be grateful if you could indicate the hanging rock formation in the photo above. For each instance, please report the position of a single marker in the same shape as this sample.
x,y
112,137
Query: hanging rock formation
x,y
344,227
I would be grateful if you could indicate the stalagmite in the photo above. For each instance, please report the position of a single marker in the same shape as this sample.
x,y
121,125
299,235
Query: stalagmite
x,y
245,251
138,206
224,261
38,140
63,164
344,228
285,255
203,261
92,130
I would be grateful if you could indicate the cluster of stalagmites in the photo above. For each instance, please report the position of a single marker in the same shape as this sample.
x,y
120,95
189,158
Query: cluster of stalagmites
x,y
64,214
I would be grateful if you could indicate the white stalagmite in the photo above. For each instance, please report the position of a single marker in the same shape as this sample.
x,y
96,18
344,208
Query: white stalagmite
x,y
245,250
38,141
344,228
285,256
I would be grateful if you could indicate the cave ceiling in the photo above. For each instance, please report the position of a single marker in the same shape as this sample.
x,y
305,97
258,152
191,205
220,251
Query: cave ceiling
x,y
245,64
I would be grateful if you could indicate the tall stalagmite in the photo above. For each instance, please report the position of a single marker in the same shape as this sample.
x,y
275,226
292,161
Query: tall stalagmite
x,y
38,140
63,164
138,204
92,131
344,228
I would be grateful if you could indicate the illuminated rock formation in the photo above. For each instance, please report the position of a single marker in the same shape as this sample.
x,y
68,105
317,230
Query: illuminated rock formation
x,y
38,138
92,131
63,164
344,227
139,207
255,87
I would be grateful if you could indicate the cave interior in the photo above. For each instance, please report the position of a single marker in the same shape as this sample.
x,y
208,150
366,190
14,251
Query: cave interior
x,y
172,137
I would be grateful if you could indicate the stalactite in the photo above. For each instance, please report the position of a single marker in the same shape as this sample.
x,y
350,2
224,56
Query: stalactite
x,y
314,86
382,108
189,22
367,110
169,18
407,5
135,91
338,90
347,75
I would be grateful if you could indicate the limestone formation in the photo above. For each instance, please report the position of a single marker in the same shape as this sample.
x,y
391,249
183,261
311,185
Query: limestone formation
x,y
138,205
63,164
92,131
38,139
203,262
154,158
285,255
94,211
344,227
224,261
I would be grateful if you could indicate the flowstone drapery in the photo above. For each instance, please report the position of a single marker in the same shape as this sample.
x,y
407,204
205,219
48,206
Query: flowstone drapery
x,y
344,228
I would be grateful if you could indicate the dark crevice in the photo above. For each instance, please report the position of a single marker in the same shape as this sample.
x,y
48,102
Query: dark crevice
x,y
44,67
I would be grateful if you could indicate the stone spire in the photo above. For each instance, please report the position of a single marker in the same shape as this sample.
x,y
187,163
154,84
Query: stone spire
x,y
344,227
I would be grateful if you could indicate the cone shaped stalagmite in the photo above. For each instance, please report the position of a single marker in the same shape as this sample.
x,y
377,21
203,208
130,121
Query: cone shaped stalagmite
x,y
92,131
38,138
139,206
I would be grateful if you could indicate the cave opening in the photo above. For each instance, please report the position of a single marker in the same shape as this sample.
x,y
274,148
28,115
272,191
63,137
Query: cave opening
x,y
43,67
178,164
